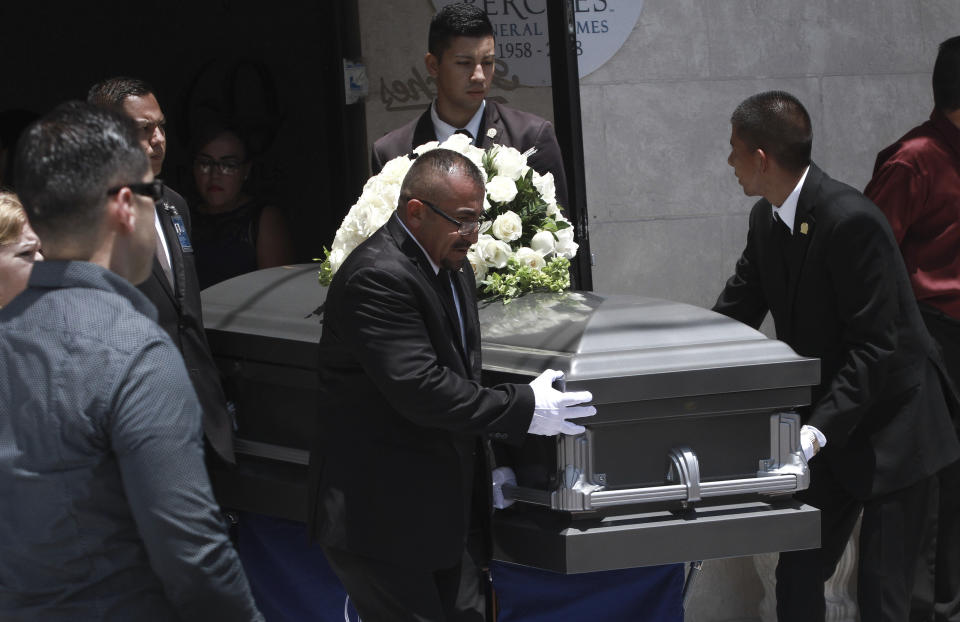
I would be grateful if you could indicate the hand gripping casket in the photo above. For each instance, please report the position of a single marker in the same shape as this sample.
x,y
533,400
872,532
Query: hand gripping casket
x,y
693,453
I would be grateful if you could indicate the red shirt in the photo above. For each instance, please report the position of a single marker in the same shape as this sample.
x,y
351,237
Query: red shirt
x,y
916,182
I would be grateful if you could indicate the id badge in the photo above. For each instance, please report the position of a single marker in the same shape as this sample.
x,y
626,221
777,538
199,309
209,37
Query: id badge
x,y
181,230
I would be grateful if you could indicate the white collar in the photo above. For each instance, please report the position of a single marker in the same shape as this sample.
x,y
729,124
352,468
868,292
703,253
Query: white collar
x,y
788,211
444,130
436,268
160,234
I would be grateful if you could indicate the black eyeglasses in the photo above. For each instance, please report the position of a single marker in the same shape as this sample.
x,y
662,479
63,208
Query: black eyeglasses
x,y
464,228
226,167
152,189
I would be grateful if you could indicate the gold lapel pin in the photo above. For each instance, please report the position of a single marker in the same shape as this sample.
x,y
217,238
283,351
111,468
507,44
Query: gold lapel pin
x,y
804,228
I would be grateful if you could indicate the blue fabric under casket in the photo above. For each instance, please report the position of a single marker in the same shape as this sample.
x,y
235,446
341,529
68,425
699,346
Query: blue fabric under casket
x,y
652,594
292,582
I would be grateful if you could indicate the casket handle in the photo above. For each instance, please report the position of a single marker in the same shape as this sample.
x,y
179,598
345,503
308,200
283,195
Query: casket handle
x,y
685,466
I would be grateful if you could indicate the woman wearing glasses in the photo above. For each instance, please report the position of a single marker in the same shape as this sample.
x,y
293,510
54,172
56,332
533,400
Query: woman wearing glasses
x,y
233,232
19,248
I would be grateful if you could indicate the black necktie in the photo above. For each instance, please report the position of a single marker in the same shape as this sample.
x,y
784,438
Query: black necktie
x,y
782,238
465,133
450,291
781,232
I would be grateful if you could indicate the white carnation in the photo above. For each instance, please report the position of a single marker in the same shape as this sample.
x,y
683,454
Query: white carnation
x,y
393,171
492,252
507,227
509,162
369,214
336,258
528,257
501,189
543,242
566,247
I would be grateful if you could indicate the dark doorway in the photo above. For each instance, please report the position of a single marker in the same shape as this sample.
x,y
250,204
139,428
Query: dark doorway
x,y
281,63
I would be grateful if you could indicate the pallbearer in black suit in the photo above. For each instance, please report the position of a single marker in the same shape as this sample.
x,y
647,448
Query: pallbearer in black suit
x,y
400,491
821,258
461,60
173,286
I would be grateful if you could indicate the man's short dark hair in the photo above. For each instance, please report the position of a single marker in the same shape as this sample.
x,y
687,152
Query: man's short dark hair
x,y
68,159
778,123
946,76
457,20
428,175
112,92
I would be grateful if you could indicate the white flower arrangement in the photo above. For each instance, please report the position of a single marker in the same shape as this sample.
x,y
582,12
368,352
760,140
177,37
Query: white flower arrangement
x,y
525,242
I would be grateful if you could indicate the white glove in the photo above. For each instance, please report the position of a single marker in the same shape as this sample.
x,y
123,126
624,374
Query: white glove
x,y
502,475
812,440
553,408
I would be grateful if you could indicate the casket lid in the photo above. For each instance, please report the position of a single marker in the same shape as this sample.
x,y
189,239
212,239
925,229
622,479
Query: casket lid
x,y
269,315
623,347
626,348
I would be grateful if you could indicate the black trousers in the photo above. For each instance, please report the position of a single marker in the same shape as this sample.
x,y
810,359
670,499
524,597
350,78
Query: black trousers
x,y
890,541
936,594
383,592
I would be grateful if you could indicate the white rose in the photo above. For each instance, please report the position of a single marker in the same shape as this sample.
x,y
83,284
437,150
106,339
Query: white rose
x,y
553,211
566,247
476,156
529,257
479,266
458,143
501,189
491,132
543,242
507,227
509,162
425,147
546,187
492,252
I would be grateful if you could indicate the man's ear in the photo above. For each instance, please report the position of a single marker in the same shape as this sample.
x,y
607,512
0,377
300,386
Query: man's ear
x,y
121,211
763,159
416,211
432,63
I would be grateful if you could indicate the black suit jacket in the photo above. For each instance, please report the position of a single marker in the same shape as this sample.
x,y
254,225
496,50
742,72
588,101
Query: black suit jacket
x,y
844,296
181,316
395,460
514,128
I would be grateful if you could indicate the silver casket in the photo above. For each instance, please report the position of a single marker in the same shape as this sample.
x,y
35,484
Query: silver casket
x,y
693,453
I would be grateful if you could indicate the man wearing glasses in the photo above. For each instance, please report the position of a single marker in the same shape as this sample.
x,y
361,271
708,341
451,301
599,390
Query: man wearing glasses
x,y
107,510
399,484
173,285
